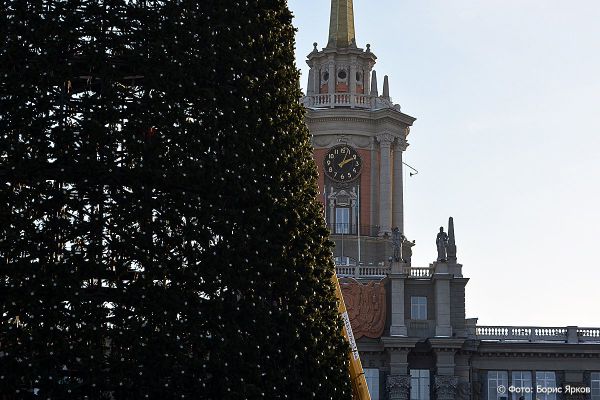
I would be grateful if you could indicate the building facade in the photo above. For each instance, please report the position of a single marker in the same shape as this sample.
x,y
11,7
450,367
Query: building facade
x,y
413,335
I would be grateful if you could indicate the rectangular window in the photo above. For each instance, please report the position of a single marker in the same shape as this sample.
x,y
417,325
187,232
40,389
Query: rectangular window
x,y
595,385
545,379
342,220
497,385
372,377
418,307
419,384
521,379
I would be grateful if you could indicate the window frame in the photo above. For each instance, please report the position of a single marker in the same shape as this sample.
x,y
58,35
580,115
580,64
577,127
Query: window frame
x,y
492,391
546,381
418,309
342,228
521,382
422,389
595,385
372,377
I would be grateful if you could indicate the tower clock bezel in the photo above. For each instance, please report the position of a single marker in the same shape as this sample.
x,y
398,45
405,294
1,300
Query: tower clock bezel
x,y
342,163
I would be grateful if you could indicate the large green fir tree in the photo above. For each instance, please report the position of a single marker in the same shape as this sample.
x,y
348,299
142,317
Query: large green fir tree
x,y
160,235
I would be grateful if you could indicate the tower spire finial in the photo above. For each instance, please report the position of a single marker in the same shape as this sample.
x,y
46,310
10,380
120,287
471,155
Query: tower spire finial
x,y
341,24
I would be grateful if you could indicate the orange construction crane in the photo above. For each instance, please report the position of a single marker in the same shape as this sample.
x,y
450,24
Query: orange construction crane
x,y
360,391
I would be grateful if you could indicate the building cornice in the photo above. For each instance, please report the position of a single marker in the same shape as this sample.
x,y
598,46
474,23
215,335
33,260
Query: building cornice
x,y
357,115
448,344
399,342
555,350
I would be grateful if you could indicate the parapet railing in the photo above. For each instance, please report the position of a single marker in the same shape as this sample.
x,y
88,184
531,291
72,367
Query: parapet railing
x,y
362,271
569,334
379,271
591,333
418,272
340,100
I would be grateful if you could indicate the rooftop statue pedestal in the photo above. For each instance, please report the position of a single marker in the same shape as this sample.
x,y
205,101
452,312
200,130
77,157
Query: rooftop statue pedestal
x,y
445,267
397,277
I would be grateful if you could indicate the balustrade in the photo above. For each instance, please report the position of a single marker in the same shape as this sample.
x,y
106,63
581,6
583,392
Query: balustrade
x,y
339,100
378,271
536,334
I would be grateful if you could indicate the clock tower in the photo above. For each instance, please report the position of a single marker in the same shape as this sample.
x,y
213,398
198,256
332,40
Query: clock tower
x,y
359,137
408,321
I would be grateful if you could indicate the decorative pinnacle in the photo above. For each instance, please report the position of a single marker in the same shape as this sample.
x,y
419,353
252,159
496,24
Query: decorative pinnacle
x,y
374,90
341,24
386,88
451,241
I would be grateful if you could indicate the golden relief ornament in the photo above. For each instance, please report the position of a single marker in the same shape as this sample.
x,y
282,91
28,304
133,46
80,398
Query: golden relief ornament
x,y
366,307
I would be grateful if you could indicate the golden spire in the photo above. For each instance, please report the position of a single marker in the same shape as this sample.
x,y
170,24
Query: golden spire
x,y
341,24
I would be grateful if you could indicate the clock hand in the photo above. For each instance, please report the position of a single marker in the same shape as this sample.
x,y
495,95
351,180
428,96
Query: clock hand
x,y
345,162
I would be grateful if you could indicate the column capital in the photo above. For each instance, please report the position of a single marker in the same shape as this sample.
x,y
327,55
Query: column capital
x,y
463,390
398,387
445,387
401,144
373,142
385,139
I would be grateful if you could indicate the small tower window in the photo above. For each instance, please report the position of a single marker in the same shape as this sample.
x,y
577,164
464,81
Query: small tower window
x,y
325,76
358,77
342,74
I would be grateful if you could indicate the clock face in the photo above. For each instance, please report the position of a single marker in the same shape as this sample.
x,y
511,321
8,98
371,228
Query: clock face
x,y
342,163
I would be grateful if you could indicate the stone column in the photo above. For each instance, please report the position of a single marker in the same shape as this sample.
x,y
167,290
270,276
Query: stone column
x,y
445,364
399,360
398,190
445,387
352,82
385,184
462,367
331,83
374,185
331,221
442,305
398,387
354,219
463,390
310,90
397,278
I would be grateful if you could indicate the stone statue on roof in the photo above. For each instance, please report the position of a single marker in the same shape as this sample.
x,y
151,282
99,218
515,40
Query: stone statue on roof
x,y
441,242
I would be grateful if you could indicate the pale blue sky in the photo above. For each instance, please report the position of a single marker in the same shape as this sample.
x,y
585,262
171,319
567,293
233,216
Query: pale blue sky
x,y
507,99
